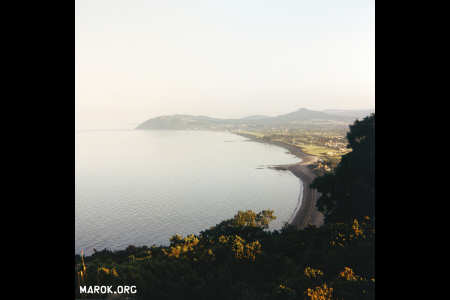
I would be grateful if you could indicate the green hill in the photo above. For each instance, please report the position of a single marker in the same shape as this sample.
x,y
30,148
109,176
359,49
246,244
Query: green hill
x,y
300,118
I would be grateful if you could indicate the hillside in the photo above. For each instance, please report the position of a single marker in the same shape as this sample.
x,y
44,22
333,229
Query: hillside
x,y
238,259
302,118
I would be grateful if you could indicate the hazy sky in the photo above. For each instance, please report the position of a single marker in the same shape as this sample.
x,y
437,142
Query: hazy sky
x,y
138,59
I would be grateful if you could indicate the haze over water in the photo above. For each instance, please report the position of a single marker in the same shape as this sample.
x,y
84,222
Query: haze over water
x,y
141,187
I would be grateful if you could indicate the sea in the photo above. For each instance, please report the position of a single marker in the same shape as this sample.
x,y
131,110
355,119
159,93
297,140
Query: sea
x,y
140,187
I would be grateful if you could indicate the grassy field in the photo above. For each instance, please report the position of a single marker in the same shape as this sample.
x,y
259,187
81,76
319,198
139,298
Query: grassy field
x,y
328,145
321,151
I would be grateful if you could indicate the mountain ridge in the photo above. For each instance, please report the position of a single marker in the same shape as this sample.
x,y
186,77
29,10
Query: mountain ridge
x,y
301,118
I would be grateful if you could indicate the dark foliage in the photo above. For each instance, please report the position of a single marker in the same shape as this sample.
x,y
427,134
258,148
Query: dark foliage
x,y
270,264
349,191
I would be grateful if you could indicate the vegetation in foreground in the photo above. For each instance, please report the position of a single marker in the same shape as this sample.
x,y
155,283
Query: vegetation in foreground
x,y
240,259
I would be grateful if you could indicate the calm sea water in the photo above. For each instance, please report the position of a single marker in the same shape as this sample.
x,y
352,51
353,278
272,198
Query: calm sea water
x,y
141,187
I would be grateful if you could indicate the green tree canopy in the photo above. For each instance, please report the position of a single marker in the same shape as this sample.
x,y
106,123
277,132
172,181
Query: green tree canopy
x,y
349,191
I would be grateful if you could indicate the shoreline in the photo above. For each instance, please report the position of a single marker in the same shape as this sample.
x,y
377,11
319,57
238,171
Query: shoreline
x,y
307,213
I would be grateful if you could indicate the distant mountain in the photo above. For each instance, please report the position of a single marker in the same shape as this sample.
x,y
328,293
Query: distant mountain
x,y
304,114
255,117
302,118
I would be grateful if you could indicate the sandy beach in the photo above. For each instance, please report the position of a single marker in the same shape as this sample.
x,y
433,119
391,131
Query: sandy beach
x,y
307,213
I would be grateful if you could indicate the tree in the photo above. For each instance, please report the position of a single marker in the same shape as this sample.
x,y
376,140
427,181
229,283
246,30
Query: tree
x,y
251,219
349,191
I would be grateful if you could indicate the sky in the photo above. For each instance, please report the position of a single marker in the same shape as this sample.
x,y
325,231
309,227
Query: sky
x,y
140,59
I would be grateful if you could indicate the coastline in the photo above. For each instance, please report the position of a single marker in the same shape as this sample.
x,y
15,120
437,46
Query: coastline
x,y
307,213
